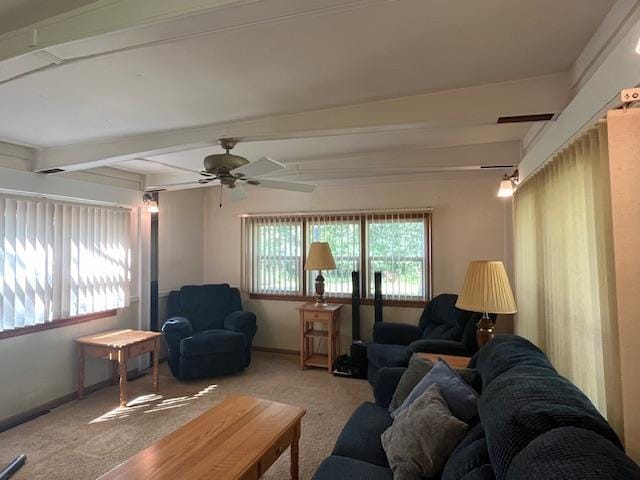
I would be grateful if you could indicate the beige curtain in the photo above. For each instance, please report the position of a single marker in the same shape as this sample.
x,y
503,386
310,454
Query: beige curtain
x,y
564,269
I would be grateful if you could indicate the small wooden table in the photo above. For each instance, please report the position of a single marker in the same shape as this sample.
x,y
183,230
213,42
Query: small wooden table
x,y
118,346
454,361
310,314
239,438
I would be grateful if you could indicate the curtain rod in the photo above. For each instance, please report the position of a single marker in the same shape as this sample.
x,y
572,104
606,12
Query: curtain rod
x,y
338,212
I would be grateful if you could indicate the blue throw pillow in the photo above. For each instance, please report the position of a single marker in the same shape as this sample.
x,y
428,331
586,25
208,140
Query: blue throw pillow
x,y
460,397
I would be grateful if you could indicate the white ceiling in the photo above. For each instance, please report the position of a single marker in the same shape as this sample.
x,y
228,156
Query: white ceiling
x,y
389,49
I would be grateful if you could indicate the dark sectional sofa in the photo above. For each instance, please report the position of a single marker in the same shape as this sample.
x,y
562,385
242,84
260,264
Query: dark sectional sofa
x,y
533,425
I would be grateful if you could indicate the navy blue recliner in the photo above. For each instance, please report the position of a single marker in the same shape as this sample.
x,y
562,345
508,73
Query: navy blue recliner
x,y
207,333
443,329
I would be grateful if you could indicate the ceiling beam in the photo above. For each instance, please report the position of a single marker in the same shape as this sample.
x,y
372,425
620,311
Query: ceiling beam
x,y
109,26
619,70
479,105
100,18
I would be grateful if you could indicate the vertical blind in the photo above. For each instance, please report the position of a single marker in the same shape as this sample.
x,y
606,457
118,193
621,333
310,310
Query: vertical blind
x,y
564,268
59,260
397,247
395,244
343,234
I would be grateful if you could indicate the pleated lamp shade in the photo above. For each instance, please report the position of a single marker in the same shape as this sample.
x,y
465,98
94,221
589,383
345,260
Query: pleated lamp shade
x,y
486,289
320,257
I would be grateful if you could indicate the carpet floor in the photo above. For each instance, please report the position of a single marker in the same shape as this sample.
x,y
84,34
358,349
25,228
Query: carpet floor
x,y
84,439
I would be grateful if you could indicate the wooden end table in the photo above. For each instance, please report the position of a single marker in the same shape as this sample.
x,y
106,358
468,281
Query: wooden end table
x,y
310,315
118,346
454,361
239,438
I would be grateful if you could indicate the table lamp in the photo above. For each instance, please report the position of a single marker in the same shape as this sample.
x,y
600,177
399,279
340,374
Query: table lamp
x,y
320,258
486,289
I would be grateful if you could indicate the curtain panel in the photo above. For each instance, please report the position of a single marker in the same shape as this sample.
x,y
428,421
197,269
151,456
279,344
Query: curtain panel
x,y
60,260
564,268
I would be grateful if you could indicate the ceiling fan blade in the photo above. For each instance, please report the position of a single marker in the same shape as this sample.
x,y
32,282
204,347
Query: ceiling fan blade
x,y
262,166
277,184
169,186
237,193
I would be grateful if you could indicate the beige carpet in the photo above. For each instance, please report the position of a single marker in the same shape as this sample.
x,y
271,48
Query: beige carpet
x,y
84,439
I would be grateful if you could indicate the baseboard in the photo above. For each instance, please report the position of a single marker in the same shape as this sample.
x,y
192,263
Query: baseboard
x,y
45,408
276,350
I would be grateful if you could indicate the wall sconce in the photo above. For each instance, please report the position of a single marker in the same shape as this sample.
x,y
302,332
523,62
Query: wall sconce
x,y
508,185
151,203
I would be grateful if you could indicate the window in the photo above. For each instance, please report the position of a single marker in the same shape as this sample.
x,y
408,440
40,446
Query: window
x,y
395,244
396,248
60,260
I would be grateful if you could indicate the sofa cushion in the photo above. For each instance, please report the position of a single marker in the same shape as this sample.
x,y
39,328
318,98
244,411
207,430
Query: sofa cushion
x,y
572,454
384,355
360,437
505,352
418,368
206,306
422,437
336,467
470,459
461,399
528,401
212,341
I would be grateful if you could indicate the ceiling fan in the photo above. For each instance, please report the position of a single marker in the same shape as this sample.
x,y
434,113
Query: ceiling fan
x,y
232,171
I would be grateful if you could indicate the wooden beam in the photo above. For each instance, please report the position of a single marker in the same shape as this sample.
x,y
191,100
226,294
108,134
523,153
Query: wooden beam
x,y
619,70
480,105
99,18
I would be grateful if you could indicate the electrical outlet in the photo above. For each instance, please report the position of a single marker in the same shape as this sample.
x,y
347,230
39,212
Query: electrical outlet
x,y
630,95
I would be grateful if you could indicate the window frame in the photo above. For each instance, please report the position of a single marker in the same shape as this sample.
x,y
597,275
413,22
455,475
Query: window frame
x,y
425,215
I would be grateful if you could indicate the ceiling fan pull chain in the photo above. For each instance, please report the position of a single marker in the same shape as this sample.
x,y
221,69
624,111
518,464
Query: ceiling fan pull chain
x,y
220,195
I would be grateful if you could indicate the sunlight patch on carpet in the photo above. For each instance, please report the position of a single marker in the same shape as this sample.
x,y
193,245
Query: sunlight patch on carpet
x,y
150,404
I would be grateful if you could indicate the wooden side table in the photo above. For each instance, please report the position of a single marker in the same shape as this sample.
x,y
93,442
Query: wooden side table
x,y
118,346
454,361
310,316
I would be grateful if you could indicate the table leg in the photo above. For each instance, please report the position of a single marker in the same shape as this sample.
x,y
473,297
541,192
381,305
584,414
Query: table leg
x,y
114,372
122,370
295,453
330,345
156,354
294,459
80,358
303,353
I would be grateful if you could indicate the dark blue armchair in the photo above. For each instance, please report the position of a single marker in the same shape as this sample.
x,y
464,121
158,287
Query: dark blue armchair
x,y
443,328
207,333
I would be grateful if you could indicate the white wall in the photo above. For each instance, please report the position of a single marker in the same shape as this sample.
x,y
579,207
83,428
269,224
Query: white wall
x,y
181,239
469,222
40,367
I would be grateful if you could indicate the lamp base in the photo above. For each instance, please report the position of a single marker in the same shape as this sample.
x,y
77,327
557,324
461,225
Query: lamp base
x,y
484,330
320,301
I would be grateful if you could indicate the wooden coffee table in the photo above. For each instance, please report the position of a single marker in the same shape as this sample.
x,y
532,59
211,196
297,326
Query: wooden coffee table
x,y
118,346
238,439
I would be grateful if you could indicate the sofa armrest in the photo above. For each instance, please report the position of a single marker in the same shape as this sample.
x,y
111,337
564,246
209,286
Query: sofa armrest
x,y
443,347
175,329
395,333
386,383
242,322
